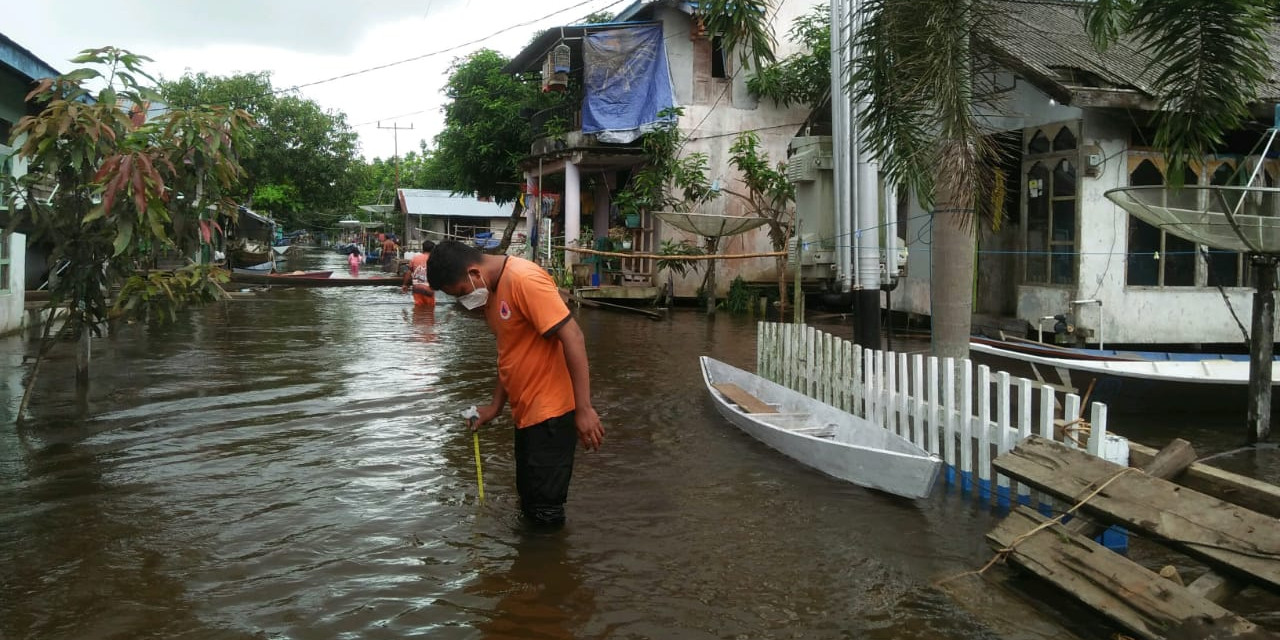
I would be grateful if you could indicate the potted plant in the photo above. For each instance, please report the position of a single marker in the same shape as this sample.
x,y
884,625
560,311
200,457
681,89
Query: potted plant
x,y
620,239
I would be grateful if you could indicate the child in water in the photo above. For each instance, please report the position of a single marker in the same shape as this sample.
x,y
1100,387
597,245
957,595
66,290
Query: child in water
x,y
353,261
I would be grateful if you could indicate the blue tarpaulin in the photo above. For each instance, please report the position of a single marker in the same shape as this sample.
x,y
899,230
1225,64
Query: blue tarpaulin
x,y
627,83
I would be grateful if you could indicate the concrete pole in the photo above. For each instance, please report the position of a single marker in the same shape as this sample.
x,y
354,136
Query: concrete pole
x,y
531,206
600,219
1262,347
572,211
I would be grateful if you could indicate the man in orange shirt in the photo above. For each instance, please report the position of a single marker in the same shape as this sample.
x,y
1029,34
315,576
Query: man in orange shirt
x,y
417,274
542,368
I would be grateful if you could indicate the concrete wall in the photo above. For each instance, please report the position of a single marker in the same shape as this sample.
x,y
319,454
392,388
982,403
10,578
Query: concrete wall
x,y
1138,314
713,117
12,294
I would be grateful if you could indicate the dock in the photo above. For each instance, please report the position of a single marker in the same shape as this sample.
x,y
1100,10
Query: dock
x,y
1224,521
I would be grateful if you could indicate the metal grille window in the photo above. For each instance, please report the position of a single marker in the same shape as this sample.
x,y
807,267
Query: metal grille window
x,y
1051,185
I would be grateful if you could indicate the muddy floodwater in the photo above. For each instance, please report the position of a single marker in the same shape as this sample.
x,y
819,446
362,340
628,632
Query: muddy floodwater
x,y
292,465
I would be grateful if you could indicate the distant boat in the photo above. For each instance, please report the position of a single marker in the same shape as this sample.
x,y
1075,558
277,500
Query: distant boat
x,y
1131,380
819,435
310,279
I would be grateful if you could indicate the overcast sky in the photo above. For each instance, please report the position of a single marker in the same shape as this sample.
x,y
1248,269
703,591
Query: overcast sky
x,y
301,41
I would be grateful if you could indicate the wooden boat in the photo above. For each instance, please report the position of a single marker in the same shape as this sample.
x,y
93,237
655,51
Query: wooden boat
x,y
1131,380
819,435
311,279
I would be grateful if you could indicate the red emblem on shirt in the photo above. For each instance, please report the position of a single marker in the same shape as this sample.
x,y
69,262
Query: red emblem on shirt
x,y
504,311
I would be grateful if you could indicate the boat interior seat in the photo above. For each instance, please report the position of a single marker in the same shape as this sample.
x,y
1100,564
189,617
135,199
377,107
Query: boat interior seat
x,y
743,398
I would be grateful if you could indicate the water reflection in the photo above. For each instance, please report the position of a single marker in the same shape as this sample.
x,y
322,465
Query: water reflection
x,y
539,596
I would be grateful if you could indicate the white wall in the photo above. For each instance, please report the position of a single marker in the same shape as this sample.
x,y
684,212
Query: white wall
x,y
713,127
13,297
1139,315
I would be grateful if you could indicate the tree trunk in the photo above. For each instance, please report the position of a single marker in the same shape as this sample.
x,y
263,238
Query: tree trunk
x,y
782,286
83,353
951,276
517,213
709,281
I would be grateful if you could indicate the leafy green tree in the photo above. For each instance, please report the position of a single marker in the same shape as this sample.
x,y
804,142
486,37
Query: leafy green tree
x,y
769,195
484,133
803,77
302,157
113,182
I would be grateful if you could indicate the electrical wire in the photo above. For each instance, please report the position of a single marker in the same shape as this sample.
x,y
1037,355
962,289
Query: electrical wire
x,y
424,56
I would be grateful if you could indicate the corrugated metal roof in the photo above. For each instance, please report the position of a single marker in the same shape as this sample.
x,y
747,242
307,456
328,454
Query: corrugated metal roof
x,y
18,58
432,202
1048,38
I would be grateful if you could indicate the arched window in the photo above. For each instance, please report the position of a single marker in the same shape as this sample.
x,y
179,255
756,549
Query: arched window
x,y
1065,140
1156,258
1039,144
1051,187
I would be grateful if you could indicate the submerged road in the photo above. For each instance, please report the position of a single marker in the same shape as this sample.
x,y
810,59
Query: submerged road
x,y
293,466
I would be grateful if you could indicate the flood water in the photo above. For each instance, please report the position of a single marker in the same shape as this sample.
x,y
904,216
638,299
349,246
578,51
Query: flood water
x,y
292,465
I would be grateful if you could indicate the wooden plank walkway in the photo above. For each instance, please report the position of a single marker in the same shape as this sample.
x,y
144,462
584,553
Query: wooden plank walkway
x,y
1241,540
1241,546
1140,600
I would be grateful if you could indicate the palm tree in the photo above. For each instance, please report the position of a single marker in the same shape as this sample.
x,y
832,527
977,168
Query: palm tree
x,y
915,63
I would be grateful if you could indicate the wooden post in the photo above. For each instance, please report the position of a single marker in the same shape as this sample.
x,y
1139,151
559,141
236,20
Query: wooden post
x,y
1261,347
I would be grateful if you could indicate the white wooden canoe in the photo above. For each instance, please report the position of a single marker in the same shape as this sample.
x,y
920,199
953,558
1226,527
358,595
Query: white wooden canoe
x,y
819,435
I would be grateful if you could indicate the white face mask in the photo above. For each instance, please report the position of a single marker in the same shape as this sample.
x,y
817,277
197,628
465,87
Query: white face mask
x,y
478,297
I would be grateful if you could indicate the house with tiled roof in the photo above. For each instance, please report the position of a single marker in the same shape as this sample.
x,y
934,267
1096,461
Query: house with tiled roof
x,y
1075,123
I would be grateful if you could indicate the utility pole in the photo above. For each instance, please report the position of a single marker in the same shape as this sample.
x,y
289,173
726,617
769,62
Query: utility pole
x,y
395,135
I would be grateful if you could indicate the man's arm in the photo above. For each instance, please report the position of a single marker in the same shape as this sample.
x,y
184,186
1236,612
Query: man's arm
x,y
590,431
408,275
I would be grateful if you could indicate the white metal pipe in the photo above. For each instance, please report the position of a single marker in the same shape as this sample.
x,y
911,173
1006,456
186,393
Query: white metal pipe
x,y
1040,327
841,171
867,192
892,243
572,211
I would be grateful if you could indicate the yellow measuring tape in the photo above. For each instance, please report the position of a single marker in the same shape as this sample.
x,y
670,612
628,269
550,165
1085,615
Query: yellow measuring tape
x,y
470,414
475,439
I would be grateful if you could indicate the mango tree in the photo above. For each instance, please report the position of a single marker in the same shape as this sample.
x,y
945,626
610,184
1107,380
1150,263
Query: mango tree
x,y
114,179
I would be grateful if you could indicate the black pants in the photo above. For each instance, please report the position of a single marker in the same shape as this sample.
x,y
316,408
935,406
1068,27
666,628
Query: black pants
x,y
544,464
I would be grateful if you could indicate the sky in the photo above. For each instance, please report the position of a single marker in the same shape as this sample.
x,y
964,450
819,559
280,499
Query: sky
x,y
303,41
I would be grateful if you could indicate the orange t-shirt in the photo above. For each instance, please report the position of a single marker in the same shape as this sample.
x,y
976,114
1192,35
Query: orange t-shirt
x,y
523,310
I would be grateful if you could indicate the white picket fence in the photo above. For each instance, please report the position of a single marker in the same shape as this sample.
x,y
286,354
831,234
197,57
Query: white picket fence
x,y
916,397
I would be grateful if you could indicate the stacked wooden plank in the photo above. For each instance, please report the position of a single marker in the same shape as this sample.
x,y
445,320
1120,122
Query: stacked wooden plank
x,y
1226,521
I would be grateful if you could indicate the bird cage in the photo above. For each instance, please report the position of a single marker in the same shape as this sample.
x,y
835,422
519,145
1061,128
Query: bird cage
x,y
560,58
555,70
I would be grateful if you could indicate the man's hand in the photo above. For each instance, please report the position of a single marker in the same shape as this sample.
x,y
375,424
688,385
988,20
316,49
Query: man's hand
x,y
485,413
590,431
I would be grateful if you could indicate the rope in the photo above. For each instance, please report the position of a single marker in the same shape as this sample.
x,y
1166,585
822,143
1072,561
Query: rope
x,y
1002,554
676,257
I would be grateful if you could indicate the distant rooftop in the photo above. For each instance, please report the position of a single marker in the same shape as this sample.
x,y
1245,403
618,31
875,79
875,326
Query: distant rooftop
x,y
1046,41
17,58
433,202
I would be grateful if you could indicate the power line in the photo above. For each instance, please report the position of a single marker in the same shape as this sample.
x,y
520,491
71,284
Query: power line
x,y
424,56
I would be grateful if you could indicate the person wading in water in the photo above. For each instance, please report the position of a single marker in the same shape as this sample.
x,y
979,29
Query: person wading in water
x,y
542,368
